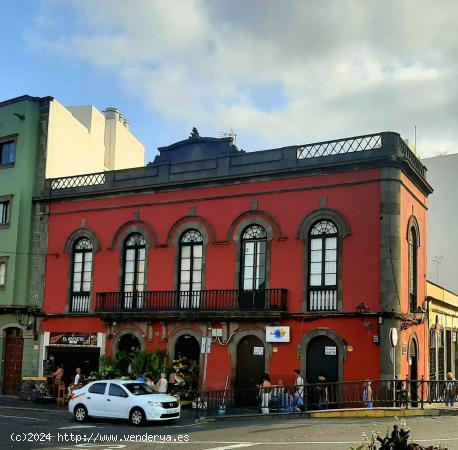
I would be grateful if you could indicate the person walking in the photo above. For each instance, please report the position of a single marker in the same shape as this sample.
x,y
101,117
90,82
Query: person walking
x,y
265,393
367,395
299,391
450,384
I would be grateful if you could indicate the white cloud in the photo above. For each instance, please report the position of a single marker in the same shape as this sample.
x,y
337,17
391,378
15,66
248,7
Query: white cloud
x,y
343,68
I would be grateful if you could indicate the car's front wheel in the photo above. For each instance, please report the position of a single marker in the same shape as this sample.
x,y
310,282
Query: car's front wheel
x,y
80,413
137,417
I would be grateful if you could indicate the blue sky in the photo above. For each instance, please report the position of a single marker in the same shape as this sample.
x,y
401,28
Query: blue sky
x,y
277,73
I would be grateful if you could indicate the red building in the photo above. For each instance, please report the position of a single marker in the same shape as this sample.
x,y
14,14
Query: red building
x,y
298,257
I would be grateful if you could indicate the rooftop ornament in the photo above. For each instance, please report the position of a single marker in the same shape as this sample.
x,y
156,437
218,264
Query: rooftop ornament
x,y
194,133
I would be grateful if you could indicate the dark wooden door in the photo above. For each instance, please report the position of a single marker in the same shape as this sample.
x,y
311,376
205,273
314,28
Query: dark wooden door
x,y
250,366
322,358
13,361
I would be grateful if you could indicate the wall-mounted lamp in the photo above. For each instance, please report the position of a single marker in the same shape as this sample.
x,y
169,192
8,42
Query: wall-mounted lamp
x,y
418,316
362,308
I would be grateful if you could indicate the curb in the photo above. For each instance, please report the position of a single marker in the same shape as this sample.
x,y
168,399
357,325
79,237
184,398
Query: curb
x,y
23,408
235,417
344,413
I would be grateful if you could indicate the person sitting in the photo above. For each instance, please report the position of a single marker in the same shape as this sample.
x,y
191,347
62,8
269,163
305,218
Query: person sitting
x,y
161,385
78,381
59,373
141,379
149,381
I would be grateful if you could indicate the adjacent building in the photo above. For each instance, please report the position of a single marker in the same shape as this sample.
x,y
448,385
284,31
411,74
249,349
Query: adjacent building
x,y
40,138
443,215
443,331
298,257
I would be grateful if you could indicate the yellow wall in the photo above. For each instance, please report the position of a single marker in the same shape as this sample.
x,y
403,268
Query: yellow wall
x,y
444,304
77,142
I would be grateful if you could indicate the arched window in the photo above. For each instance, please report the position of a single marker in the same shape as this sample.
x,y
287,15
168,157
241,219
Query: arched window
x,y
323,259
254,244
134,270
413,246
81,275
190,268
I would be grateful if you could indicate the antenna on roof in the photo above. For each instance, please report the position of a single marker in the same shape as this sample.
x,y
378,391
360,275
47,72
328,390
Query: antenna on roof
x,y
231,133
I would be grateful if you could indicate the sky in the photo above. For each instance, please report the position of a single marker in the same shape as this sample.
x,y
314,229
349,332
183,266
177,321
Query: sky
x,y
276,73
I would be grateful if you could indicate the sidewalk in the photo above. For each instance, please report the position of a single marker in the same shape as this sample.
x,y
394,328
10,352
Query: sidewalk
x,y
13,402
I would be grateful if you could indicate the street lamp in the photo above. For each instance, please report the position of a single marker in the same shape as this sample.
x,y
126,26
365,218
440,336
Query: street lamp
x,y
419,314
417,317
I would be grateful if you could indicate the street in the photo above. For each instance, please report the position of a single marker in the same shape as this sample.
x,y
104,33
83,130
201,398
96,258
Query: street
x,y
27,429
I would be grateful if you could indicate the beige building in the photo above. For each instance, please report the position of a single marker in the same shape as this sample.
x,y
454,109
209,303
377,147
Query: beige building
x,y
443,331
81,140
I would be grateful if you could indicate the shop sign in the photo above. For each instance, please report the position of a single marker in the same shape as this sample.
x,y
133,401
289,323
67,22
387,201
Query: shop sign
x,y
330,351
277,334
259,351
73,339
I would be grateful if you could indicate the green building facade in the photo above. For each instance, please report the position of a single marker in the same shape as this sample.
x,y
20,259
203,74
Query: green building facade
x,y
23,125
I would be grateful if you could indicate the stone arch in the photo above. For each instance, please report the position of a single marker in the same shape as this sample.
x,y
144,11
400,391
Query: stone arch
x,y
413,223
81,233
123,332
343,230
174,338
135,226
323,214
197,222
252,217
233,346
340,344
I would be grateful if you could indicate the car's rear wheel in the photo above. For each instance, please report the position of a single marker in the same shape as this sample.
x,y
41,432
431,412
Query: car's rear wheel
x,y
80,413
137,417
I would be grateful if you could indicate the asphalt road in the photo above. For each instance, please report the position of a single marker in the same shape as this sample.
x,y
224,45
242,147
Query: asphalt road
x,y
57,430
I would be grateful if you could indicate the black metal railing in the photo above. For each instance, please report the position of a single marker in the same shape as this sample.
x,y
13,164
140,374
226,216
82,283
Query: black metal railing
x,y
207,300
90,179
322,396
339,146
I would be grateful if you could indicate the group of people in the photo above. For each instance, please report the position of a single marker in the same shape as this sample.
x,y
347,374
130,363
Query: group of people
x,y
287,399
161,384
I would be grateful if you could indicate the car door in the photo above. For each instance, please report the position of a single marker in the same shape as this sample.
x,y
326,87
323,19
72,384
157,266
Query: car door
x,y
96,400
118,401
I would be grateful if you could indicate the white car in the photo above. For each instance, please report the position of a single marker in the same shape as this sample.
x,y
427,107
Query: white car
x,y
122,399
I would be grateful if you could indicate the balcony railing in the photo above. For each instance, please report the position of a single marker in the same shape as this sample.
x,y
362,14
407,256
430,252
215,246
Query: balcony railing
x,y
80,303
322,299
209,300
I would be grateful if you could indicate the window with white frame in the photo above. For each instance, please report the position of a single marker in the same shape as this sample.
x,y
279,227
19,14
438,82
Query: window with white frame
x,y
4,212
2,273
323,259
81,275
190,268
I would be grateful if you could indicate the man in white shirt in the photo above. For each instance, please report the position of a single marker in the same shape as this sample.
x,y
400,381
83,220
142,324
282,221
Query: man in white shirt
x,y
77,382
161,385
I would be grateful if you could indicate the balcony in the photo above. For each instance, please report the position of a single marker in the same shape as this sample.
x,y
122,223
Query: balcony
x,y
219,303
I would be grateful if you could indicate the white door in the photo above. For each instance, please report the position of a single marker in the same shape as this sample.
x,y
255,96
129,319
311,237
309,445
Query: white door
x,y
118,401
96,400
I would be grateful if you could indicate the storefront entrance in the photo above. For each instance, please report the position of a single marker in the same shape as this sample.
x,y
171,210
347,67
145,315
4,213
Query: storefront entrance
x,y
71,358
14,344
250,362
322,358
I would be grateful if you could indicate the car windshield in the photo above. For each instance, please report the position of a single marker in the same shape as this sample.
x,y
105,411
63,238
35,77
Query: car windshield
x,y
139,388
